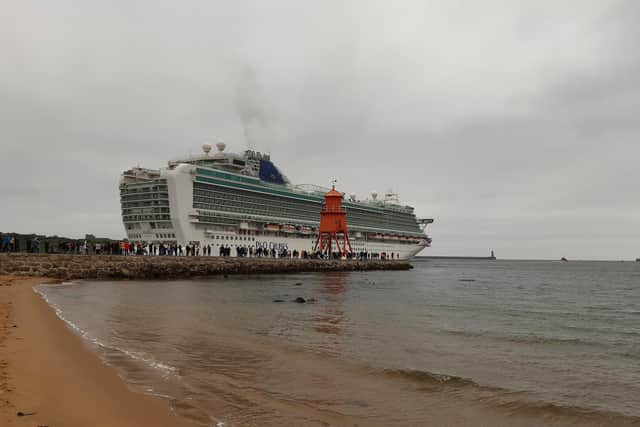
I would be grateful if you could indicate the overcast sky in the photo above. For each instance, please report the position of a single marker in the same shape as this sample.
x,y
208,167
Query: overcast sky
x,y
515,124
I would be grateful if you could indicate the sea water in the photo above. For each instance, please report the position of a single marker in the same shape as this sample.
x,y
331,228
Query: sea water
x,y
464,342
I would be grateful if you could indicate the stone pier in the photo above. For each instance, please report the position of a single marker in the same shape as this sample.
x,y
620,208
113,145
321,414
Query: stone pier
x,y
71,267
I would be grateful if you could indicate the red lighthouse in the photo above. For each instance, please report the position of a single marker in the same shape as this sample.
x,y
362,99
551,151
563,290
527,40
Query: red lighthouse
x,y
333,223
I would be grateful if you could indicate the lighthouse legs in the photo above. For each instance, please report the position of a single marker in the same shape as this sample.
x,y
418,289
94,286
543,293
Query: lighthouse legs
x,y
338,245
326,241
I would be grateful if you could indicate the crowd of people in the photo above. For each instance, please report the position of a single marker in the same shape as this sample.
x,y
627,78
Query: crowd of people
x,y
195,249
35,244
11,243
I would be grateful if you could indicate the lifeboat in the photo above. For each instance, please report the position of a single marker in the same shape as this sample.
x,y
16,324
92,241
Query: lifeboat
x,y
306,229
272,227
288,228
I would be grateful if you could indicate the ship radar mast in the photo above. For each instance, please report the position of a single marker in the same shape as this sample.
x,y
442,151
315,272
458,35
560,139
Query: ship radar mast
x,y
391,197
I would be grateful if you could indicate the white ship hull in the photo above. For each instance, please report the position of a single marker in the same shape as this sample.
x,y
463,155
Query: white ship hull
x,y
299,244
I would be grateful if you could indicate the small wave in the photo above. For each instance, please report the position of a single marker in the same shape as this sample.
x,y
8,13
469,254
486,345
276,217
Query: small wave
x,y
515,402
56,285
539,339
529,339
140,357
429,377
573,413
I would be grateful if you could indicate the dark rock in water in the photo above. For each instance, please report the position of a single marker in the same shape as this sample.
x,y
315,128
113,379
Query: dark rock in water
x,y
225,276
298,284
311,300
300,300
278,300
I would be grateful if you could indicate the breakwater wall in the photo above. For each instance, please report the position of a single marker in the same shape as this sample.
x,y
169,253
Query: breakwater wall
x,y
70,267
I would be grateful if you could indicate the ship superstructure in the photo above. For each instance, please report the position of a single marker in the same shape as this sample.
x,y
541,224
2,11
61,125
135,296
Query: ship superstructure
x,y
244,200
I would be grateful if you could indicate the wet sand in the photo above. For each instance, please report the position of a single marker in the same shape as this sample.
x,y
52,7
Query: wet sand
x,y
47,371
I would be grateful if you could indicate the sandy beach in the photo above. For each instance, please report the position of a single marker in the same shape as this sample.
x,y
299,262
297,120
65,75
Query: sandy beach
x,y
51,376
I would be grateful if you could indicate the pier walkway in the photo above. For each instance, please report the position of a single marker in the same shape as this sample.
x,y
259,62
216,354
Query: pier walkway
x,y
71,267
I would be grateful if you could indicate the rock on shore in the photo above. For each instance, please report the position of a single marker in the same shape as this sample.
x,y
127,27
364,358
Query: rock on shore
x,y
70,267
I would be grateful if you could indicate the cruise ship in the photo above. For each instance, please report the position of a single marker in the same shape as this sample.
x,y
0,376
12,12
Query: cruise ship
x,y
245,200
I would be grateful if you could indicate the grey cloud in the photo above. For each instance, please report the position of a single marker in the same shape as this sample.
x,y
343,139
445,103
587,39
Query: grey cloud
x,y
514,124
